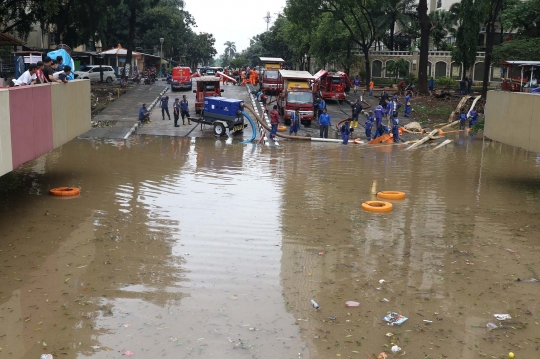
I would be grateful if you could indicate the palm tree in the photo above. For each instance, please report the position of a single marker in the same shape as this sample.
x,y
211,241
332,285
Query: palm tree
x,y
230,48
442,26
396,12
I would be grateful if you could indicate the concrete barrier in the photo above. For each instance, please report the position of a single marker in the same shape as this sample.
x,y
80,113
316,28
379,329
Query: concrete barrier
x,y
37,119
512,118
6,160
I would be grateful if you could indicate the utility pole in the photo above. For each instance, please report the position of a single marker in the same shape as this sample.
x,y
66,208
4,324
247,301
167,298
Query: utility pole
x,y
267,19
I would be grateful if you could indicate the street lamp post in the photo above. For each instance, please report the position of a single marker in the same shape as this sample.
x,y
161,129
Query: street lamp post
x,y
100,57
161,39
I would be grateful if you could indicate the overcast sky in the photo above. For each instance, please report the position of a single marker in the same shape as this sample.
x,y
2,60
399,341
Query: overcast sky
x,y
232,20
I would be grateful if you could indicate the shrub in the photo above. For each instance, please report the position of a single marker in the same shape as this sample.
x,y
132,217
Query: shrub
x,y
445,81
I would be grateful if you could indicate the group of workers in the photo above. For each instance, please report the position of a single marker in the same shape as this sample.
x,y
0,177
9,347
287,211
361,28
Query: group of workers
x,y
242,76
180,108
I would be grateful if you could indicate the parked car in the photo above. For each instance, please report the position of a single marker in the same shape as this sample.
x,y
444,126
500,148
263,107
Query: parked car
x,y
92,73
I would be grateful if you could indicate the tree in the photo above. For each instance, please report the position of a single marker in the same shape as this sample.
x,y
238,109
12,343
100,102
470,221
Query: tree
x,y
467,35
522,16
392,13
332,42
238,62
19,15
356,16
200,49
442,26
398,68
425,27
492,9
230,48
521,49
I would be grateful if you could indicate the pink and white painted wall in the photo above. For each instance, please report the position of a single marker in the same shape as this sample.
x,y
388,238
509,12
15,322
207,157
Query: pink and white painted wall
x,y
36,119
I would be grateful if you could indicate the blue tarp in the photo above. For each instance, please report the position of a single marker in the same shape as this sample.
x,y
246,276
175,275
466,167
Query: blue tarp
x,y
67,60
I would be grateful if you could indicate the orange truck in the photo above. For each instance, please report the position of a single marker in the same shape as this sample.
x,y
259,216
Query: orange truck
x,y
181,78
297,94
331,85
269,76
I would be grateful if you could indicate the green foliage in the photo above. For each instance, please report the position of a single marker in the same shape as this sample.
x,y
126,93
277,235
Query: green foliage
x,y
230,48
412,78
467,33
522,49
389,13
479,126
445,81
522,16
443,25
238,62
398,68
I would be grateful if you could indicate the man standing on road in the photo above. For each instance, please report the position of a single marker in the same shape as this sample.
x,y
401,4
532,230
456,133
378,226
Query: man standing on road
x,y
176,111
322,106
324,123
356,83
431,85
371,86
274,121
356,109
165,107
184,106
295,122
379,111
469,86
407,111
144,114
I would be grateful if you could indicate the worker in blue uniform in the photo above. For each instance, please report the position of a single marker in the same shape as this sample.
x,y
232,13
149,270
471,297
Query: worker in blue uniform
x,y
165,107
473,118
369,124
395,128
407,111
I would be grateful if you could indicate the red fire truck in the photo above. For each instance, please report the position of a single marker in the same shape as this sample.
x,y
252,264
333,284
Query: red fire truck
x,y
331,85
269,76
297,94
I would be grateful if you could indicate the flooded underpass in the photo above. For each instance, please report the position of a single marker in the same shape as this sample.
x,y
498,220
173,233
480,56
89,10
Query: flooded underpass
x,y
181,248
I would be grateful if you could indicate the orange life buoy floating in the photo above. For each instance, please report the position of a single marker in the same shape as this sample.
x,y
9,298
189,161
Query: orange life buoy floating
x,y
391,195
282,128
65,191
377,206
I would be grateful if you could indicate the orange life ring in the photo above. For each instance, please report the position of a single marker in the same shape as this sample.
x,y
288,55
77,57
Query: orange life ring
x,y
377,206
282,128
391,195
65,191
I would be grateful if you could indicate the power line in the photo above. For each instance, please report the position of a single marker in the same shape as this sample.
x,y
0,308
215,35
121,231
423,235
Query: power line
x,y
267,19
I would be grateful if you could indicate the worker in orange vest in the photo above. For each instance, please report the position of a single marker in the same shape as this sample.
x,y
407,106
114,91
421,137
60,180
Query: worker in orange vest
x,y
243,78
254,77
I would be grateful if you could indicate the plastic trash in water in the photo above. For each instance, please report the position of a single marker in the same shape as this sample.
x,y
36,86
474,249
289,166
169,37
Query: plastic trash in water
x,y
352,303
46,356
382,281
502,316
491,326
314,304
129,353
396,349
382,355
384,300
394,318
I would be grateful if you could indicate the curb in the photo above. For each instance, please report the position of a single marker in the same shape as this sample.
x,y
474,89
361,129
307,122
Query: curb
x,y
152,105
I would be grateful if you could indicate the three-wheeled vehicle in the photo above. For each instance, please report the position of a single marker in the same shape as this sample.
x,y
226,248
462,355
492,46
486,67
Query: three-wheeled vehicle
x,y
331,85
269,76
222,113
297,94
206,86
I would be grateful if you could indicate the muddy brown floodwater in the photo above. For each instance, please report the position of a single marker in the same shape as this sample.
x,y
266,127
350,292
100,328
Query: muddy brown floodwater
x,y
188,248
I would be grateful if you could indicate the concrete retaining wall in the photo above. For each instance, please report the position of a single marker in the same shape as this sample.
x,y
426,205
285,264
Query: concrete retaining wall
x,y
37,119
512,118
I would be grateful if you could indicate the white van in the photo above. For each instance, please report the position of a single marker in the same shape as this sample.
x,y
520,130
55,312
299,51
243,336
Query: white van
x,y
91,72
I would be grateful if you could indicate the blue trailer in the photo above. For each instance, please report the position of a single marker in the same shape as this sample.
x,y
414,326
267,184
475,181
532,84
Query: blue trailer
x,y
222,113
